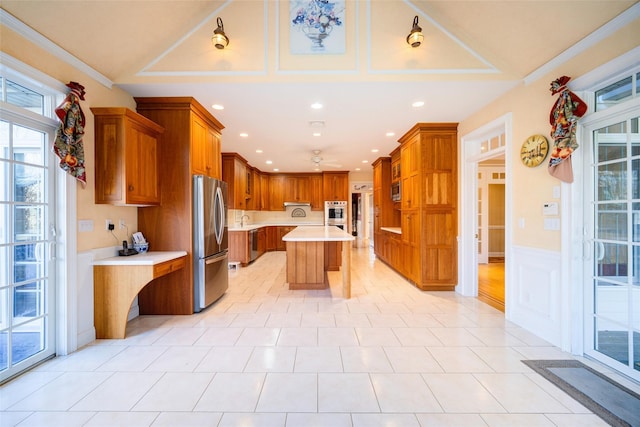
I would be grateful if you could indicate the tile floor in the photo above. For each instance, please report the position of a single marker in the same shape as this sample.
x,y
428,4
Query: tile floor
x,y
266,356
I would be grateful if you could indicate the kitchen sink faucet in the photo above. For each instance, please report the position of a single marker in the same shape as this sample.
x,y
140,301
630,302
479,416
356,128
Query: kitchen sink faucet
x,y
242,220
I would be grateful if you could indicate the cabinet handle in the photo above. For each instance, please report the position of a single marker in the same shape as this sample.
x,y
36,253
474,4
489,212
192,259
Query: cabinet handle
x,y
130,188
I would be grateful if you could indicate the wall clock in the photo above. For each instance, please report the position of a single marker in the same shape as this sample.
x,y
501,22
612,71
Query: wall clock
x,y
534,150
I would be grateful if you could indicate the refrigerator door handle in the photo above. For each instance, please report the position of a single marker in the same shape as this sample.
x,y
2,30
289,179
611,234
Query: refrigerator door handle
x,y
220,215
215,259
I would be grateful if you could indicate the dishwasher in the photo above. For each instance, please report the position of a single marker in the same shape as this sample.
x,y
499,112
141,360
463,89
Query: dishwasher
x,y
253,245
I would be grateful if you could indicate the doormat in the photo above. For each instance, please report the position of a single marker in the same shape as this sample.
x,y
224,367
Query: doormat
x,y
614,403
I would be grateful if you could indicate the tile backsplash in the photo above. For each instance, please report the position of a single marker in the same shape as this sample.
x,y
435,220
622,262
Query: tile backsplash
x,y
292,215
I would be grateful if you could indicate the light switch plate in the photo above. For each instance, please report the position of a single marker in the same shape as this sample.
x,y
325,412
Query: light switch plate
x,y
85,225
550,208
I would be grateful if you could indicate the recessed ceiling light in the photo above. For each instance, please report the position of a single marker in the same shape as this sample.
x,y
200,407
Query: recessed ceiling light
x,y
418,104
316,106
390,133
217,107
259,151
365,161
317,134
375,150
316,123
357,169
276,169
268,162
244,134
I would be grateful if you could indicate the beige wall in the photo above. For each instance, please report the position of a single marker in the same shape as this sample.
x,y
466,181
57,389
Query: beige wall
x,y
97,95
530,107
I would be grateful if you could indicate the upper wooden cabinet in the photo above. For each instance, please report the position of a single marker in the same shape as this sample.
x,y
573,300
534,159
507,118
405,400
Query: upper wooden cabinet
x,y
238,176
126,156
276,192
335,185
316,192
192,127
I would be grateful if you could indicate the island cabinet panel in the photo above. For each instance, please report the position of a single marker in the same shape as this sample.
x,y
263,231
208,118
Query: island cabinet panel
x,y
126,158
335,185
305,265
282,230
332,256
169,226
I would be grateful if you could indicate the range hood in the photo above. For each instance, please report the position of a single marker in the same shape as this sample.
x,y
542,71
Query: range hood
x,y
286,204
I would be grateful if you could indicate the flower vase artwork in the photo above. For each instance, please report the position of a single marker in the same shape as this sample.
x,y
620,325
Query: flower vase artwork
x,y
316,20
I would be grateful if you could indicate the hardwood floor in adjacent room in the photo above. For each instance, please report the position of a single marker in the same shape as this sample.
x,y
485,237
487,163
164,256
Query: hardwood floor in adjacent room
x,y
491,283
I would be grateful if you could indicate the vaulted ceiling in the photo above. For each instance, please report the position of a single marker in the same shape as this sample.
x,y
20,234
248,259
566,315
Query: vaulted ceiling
x,y
366,77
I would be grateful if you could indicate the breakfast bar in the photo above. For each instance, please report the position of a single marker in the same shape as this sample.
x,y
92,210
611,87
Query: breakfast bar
x,y
308,250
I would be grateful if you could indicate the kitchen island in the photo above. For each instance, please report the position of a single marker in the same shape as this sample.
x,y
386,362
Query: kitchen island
x,y
306,249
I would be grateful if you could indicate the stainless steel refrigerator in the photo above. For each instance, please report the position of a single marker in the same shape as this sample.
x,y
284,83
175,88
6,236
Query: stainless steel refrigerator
x,y
210,244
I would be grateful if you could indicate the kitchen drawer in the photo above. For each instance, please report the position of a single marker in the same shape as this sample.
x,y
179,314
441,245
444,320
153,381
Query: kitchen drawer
x,y
169,266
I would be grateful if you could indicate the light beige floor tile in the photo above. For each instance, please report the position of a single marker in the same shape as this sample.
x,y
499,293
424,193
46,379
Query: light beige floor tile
x,y
85,359
258,337
376,336
495,337
529,398
400,393
454,320
61,393
298,305
187,419
214,319
119,392
175,392
542,353
56,419
346,393
181,336
252,420
250,320
462,393
298,337
420,320
454,336
284,320
220,336
225,359
510,420
271,359
289,393
501,359
11,419
365,359
362,307
411,359
318,359
385,420
133,359
557,393
527,337
179,359
386,320
295,419
231,392
352,320
451,420
318,320
243,307
111,419
23,386
337,337
393,308
143,336
458,360
417,337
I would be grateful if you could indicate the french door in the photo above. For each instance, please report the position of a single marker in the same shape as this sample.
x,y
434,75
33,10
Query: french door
x,y
612,209
27,242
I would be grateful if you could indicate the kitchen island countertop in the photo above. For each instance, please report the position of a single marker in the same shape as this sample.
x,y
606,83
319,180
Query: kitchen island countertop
x,y
249,227
318,233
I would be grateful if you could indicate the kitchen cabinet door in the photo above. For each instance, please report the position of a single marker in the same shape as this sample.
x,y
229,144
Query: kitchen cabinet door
x,y
126,158
335,185
316,196
238,246
276,192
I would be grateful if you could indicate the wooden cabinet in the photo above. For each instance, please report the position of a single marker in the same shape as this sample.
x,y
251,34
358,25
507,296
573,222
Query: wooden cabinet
x,y
384,212
239,246
272,237
429,205
296,189
205,153
316,192
126,158
276,192
335,185
261,236
280,244
168,227
237,174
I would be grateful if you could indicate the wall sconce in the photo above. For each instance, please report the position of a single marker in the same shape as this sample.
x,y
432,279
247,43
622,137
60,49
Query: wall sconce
x,y
220,39
415,37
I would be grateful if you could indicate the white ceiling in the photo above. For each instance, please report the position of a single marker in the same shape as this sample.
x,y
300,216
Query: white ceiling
x,y
474,51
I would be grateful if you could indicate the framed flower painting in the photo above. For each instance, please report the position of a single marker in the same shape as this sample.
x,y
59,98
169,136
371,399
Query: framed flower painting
x,y
317,27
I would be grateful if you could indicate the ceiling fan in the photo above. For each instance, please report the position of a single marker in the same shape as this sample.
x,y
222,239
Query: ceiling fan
x,y
317,160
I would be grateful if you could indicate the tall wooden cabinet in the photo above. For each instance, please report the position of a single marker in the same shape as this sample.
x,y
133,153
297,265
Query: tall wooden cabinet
x,y
239,177
429,205
126,156
335,185
384,214
190,145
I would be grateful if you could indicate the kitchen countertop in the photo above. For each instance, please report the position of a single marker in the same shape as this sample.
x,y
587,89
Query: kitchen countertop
x,y
318,233
149,258
396,230
249,227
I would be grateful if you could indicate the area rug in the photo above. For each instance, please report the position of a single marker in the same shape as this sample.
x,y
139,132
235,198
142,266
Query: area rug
x,y
614,403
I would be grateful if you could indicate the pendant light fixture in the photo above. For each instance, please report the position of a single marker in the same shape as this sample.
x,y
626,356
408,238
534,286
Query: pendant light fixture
x,y
415,37
219,39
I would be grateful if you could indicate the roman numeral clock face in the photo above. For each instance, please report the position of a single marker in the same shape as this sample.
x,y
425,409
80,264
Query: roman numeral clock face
x,y
534,150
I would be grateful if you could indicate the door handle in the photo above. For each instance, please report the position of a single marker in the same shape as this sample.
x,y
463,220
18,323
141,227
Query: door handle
x,y
215,259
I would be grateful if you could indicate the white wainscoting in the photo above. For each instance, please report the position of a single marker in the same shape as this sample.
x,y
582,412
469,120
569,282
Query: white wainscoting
x,y
86,328
536,293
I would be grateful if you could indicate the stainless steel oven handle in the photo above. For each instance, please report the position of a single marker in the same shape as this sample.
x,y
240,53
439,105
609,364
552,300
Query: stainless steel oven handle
x,y
218,258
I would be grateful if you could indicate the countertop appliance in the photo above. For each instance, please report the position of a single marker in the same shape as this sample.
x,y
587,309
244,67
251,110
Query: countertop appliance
x,y
210,241
335,213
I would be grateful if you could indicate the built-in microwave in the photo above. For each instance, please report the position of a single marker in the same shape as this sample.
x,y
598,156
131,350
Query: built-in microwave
x,y
395,191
